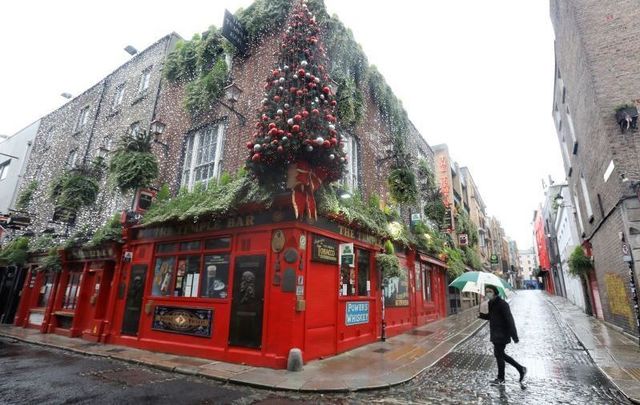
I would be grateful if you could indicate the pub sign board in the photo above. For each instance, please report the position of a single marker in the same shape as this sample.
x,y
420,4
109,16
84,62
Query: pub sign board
x,y
324,250
357,312
185,321
396,292
234,32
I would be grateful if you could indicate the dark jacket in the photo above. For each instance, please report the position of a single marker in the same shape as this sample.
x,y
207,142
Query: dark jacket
x,y
501,325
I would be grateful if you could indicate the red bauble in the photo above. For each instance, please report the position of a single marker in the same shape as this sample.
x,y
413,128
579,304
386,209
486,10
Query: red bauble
x,y
276,99
299,93
280,149
255,157
326,90
273,132
297,118
326,144
333,141
280,132
249,145
333,102
265,118
315,111
305,114
272,125
330,118
301,73
276,73
295,129
292,90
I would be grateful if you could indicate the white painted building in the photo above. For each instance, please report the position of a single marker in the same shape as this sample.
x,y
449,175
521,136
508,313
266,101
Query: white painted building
x,y
528,263
568,238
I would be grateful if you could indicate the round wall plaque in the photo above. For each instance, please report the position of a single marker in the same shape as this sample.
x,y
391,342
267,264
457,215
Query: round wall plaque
x,y
277,241
290,255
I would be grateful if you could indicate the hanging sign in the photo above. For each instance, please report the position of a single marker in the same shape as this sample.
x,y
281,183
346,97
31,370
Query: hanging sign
x,y
346,254
234,32
324,250
494,259
463,240
626,252
185,321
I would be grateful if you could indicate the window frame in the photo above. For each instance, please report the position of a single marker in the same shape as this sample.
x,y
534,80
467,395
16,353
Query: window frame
x,y
118,96
145,79
4,169
70,303
192,150
83,118
71,162
353,290
201,253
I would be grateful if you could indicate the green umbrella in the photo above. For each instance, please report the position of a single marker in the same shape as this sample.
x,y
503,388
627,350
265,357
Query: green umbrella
x,y
476,281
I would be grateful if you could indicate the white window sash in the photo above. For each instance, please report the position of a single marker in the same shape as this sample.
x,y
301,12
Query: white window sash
x,y
585,195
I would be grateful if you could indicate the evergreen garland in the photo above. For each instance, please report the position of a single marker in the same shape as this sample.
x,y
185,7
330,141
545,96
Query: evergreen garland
x,y
133,165
109,232
51,262
263,17
402,185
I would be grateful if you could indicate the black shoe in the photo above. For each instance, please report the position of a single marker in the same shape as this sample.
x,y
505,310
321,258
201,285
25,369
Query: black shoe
x,y
497,381
523,373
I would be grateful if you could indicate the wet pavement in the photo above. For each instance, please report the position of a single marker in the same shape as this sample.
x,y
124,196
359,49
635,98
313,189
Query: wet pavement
x,y
560,371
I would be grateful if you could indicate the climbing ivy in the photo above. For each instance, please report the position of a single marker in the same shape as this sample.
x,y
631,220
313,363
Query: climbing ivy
x,y
455,261
15,252
464,225
579,263
133,165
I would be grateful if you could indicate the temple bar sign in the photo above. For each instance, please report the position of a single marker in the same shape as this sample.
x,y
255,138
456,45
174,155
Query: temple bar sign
x,y
234,32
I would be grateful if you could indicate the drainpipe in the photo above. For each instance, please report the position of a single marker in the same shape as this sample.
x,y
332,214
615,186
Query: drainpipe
x,y
95,119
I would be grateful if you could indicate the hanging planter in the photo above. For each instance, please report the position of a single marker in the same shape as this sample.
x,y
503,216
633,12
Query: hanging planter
x,y
388,263
72,190
133,165
579,263
627,117
402,185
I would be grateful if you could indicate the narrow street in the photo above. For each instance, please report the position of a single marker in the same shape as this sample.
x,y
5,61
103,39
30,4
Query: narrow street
x,y
560,371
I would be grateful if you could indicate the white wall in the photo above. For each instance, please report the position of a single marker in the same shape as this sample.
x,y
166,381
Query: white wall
x,y
17,146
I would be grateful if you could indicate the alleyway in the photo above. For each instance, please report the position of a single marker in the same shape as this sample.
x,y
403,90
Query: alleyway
x,y
560,371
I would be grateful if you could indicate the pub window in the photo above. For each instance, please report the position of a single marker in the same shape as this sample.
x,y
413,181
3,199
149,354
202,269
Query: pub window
x,y
202,155
72,291
45,290
162,276
215,276
191,245
364,261
350,179
426,283
218,243
355,280
187,277
166,247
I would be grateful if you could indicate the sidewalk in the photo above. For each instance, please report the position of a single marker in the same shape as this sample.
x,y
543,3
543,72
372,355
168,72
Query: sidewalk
x,y
377,365
617,355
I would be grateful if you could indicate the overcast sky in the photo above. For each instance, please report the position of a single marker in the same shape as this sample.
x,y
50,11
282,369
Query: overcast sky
x,y
476,75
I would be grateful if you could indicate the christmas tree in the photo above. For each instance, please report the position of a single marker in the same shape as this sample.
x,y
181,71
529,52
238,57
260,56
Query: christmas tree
x,y
296,137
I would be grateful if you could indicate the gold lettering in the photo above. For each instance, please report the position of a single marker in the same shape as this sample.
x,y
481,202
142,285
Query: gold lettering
x,y
249,220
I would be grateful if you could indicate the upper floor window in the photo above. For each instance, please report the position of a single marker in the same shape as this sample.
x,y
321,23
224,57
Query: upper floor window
x,y
202,155
587,199
82,118
118,96
134,129
71,159
144,80
4,169
351,177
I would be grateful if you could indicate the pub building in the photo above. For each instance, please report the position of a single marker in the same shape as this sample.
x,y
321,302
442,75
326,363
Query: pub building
x,y
247,289
75,301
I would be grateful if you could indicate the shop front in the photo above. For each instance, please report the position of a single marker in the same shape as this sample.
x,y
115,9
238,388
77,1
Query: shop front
x,y
248,289
74,301
11,283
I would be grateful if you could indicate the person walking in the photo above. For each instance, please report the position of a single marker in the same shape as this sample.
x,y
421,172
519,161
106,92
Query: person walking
x,y
502,329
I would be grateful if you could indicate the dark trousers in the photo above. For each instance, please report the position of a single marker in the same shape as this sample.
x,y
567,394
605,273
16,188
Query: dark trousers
x,y
501,357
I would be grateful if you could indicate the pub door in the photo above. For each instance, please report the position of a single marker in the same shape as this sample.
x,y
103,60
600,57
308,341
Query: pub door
x,y
133,306
247,303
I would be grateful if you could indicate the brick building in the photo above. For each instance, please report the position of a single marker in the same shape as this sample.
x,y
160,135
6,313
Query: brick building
x,y
596,51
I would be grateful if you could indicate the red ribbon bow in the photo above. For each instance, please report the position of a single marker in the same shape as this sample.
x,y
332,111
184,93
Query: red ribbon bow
x,y
304,184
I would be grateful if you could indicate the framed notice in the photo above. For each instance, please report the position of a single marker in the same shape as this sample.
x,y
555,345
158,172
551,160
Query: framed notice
x,y
185,321
357,312
396,292
324,250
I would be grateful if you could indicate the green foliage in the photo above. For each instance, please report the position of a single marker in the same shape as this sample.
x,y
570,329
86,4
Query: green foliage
x,y
471,258
15,252
203,92
133,165
388,247
42,244
109,232
51,262
579,264
347,60
350,99
388,265
464,225
163,194
402,185
624,106
263,17
213,203
428,239
73,190
81,236
454,261
201,64
26,195
429,193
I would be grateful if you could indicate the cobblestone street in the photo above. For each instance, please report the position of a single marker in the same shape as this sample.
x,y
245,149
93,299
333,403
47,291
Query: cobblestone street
x,y
560,371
